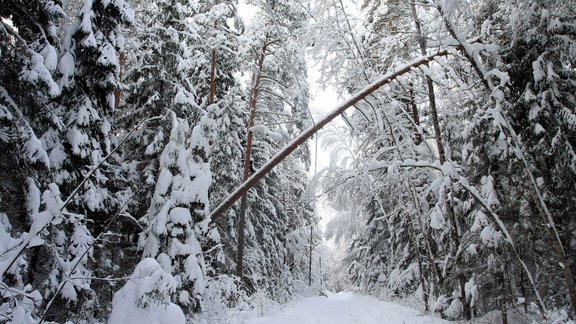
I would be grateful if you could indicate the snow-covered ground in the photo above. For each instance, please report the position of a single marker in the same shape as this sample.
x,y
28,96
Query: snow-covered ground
x,y
346,308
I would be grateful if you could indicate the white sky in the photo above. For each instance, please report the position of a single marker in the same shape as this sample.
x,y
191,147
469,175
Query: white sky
x,y
246,11
322,101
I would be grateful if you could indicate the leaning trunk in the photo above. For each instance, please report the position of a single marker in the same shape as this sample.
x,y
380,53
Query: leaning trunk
x,y
295,143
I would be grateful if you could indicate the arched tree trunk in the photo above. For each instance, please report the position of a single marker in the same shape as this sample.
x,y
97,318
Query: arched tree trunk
x,y
295,143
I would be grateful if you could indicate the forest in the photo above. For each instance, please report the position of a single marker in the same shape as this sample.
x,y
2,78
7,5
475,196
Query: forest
x,y
127,128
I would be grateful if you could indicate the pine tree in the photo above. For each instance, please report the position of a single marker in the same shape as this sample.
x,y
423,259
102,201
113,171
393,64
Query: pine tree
x,y
278,109
180,43
68,83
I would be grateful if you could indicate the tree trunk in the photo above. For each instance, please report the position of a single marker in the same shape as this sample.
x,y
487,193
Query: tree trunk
x,y
430,85
256,77
117,92
420,267
310,260
295,143
415,116
213,68
416,207
523,291
452,219
503,304
213,75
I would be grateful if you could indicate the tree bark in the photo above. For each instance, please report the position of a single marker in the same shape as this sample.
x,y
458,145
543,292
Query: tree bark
x,y
310,259
117,92
256,77
213,76
212,96
503,304
213,70
415,116
420,267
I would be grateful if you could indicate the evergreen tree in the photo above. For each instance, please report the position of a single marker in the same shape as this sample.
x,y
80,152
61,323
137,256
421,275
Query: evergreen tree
x,y
67,86
278,108
179,48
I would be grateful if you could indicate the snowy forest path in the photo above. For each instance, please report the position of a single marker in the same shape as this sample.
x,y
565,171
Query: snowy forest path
x,y
346,308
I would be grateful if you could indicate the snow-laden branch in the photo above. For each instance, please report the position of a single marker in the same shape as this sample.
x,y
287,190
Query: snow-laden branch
x,y
41,223
501,120
295,143
67,276
508,238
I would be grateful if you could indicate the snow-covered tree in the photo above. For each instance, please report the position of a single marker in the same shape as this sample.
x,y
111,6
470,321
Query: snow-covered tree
x,y
178,49
64,75
146,298
278,106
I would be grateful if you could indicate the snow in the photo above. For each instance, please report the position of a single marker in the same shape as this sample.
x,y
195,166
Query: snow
x,y
108,57
490,237
455,308
86,25
489,191
179,215
263,129
37,72
20,316
50,57
437,220
78,139
183,97
7,243
146,297
86,114
36,152
471,291
68,291
94,197
5,113
346,308
192,268
127,13
66,67
202,180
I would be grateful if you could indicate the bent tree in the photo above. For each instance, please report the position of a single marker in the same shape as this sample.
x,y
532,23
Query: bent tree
x,y
295,143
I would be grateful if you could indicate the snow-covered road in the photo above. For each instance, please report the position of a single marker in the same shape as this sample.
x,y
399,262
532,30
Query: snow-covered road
x,y
346,308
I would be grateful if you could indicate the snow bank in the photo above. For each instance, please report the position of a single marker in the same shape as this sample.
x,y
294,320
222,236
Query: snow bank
x,y
146,297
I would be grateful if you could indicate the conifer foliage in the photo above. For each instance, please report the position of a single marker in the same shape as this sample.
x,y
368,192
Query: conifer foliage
x,y
462,156
123,123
